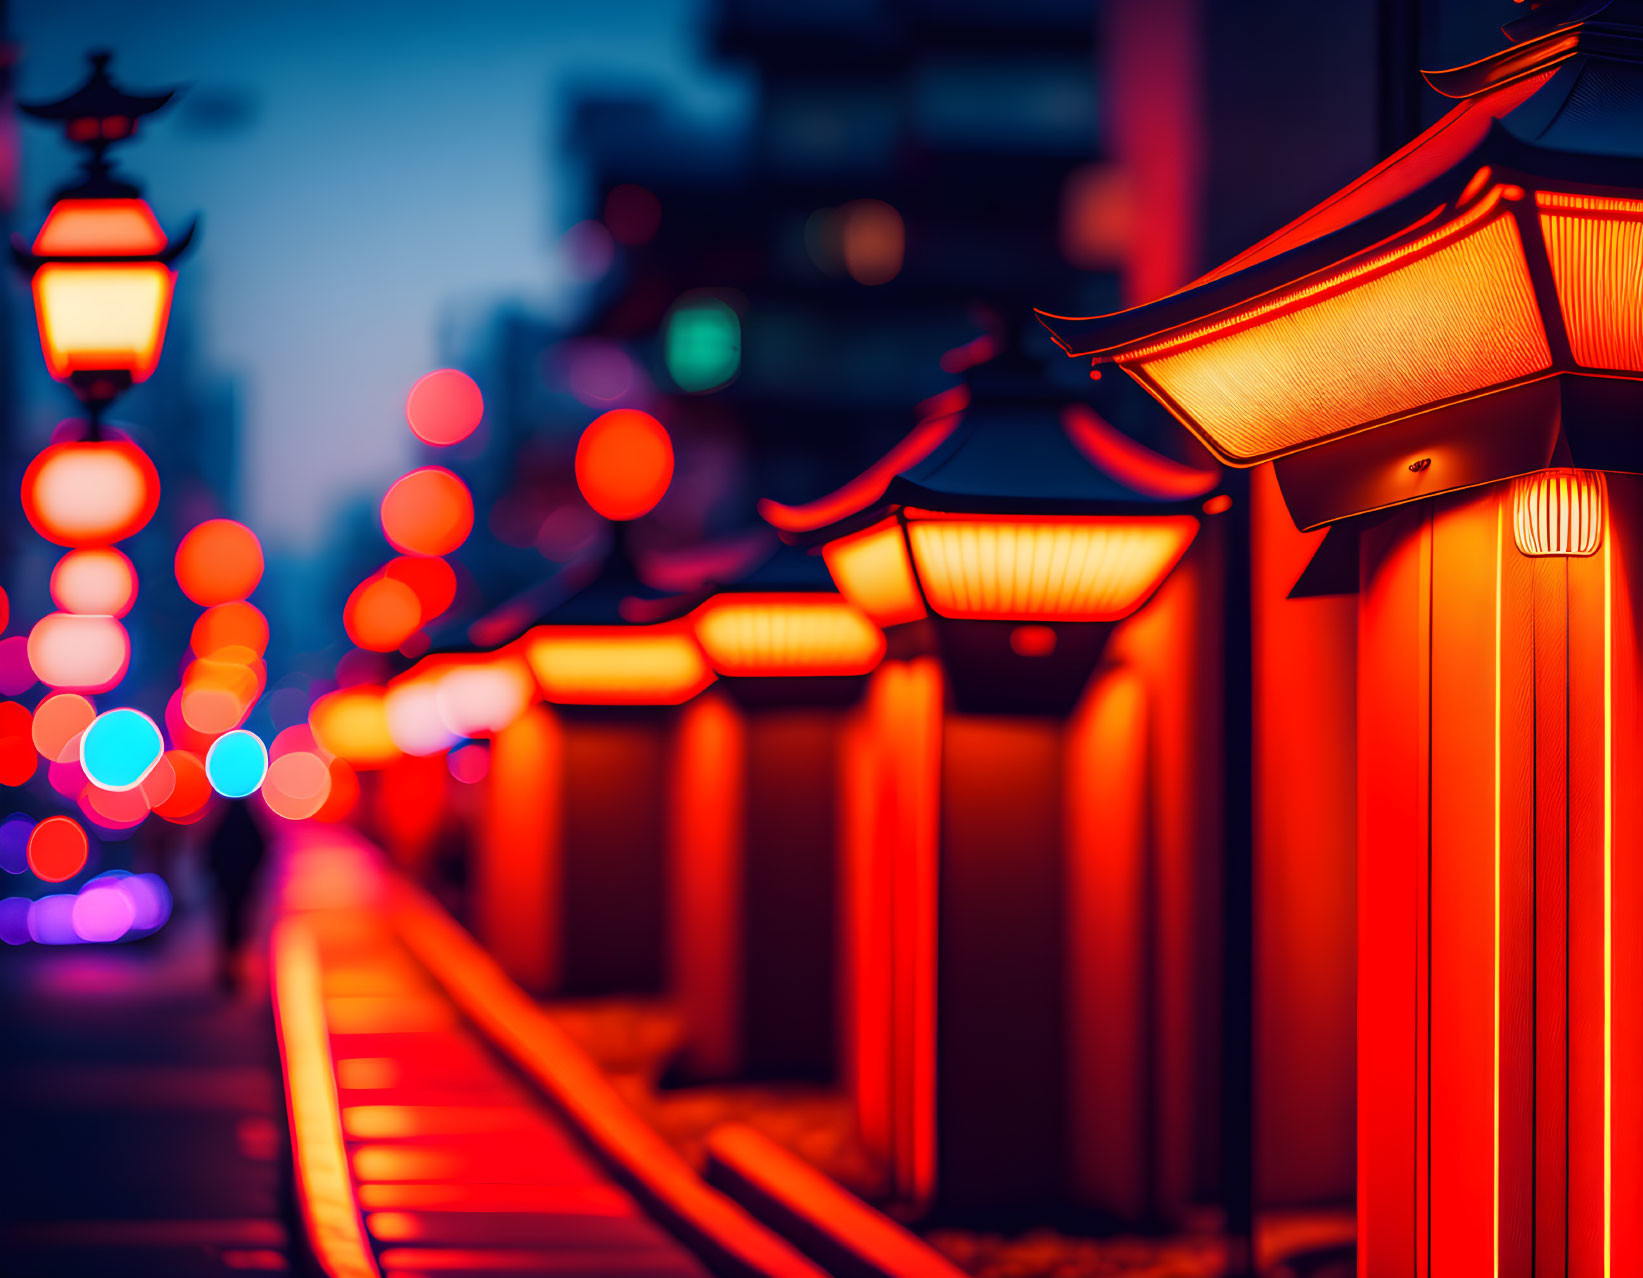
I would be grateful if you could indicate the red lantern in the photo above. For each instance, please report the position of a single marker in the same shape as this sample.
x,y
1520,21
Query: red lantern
x,y
91,492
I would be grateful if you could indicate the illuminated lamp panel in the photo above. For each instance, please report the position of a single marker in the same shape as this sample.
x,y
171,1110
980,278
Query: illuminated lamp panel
x,y
794,635
873,571
617,665
98,317
1447,314
1559,512
99,228
1095,568
1596,249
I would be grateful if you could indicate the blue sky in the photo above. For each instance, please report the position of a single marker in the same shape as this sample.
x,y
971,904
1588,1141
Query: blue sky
x,y
396,171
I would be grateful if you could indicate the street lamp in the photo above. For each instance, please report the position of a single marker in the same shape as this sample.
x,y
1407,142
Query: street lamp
x,y
101,266
1451,343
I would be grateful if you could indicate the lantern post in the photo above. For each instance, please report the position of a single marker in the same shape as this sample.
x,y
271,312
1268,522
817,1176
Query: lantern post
x,y
1442,365
1017,871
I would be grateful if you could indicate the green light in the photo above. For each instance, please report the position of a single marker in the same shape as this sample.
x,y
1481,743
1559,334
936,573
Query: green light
x,y
703,344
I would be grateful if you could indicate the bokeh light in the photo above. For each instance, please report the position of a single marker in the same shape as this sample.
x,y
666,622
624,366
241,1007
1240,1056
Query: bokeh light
x,y
58,722
433,580
14,842
16,674
297,785
120,748
66,777
90,493
5,609
381,614
344,793
702,343
427,512
624,463
113,809
51,919
58,849
102,913
190,790
96,579
219,561
444,407
352,724
18,759
481,700
873,241
218,692
414,719
78,653
236,763
230,625
14,920
470,763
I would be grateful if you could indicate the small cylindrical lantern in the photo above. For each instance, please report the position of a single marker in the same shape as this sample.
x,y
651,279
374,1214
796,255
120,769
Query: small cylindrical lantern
x,y
1560,512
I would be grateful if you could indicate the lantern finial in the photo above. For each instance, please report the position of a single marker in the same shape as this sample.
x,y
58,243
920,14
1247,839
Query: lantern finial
x,y
95,116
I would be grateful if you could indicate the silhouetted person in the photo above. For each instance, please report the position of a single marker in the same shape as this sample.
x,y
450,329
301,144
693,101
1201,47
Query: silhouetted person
x,y
233,858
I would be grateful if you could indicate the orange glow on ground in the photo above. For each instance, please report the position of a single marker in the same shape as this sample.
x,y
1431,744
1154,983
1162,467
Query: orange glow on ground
x,y
871,568
352,724
90,494
79,654
1596,249
57,849
1559,512
787,634
427,512
218,562
103,316
381,614
97,579
1450,313
1098,568
624,463
617,665
444,407
58,722
230,625
99,228
325,1190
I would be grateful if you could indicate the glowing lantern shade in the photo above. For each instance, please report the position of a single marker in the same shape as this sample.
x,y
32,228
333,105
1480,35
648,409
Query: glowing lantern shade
x,y
1019,509
444,407
1457,315
236,763
617,665
1559,512
427,512
624,463
97,579
102,291
90,493
120,749
77,653
352,724
796,635
219,561
58,848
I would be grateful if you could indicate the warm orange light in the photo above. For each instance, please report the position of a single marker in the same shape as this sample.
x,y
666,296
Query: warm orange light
x,y
190,791
427,512
219,561
444,407
99,228
873,241
297,785
624,463
344,793
1559,512
482,699
1595,245
617,665
1450,313
76,653
237,625
58,722
103,317
90,493
352,724
787,634
97,579
1094,568
433,581
218,694
381,614
873,571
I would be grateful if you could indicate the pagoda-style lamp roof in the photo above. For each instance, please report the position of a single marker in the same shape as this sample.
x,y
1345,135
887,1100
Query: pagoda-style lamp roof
x,y
95,116
1005,523
1467,310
